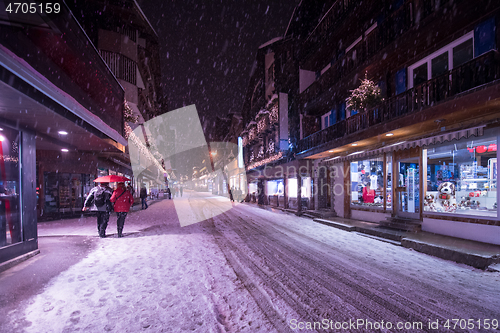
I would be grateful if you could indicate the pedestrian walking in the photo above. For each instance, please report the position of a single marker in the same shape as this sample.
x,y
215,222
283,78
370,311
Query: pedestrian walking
x,y
181,190
231,190
169,194
130,189
173,191
144,196
122,200
98,201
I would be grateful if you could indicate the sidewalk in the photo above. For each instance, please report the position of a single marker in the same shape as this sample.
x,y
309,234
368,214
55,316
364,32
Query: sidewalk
x,y
160,277
472,253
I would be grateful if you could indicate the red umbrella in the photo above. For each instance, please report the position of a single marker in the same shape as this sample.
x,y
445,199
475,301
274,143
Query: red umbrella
x,y
111,179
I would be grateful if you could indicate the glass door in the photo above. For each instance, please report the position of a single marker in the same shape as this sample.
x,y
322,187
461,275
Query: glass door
x,y
408,189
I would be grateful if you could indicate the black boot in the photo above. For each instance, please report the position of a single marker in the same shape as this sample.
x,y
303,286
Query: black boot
x,y
120,234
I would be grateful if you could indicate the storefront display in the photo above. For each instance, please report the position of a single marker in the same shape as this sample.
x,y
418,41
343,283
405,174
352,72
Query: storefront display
x,y
388,191
10,222
275,187
65,192
367,182
462,178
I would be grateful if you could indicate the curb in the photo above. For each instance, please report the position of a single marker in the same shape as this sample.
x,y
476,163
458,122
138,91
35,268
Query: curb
x,y
474,260
334,224
13,262
443,252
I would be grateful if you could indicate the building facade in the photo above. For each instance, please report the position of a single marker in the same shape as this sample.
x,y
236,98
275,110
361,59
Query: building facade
x,y
59,106
425,157
129,45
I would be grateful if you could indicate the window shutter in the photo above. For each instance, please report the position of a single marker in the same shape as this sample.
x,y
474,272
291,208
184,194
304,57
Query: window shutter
x,y
333,117
342,111
484,37
401,81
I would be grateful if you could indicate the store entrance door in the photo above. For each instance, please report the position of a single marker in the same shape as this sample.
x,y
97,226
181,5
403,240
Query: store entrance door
x,y
408,188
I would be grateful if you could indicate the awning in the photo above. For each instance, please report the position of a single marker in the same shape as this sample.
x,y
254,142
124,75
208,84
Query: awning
x,y
25,72
432,140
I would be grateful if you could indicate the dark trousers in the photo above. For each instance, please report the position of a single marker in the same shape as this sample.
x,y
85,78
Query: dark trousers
x,y
120,222
102,223
144,203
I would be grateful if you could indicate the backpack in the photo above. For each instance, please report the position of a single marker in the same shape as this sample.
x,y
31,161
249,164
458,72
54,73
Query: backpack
x,y
99,197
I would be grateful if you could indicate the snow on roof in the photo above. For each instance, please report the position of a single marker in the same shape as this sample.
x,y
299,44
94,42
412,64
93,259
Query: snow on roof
x,y
270,42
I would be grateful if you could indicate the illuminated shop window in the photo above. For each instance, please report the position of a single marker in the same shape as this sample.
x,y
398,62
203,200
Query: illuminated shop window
x,y
462,178
367,182
10,210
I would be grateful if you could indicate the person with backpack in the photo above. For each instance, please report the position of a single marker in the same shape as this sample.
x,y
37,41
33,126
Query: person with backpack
x,y
98,201
122,200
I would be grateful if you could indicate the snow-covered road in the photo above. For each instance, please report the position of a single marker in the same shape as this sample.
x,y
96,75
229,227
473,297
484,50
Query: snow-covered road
x,y
251,270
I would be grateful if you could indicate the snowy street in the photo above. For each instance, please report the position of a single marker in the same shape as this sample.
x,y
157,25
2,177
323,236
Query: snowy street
x,y
248,270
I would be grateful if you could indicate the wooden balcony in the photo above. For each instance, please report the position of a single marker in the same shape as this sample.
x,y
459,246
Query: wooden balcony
x,y
471,75
394,26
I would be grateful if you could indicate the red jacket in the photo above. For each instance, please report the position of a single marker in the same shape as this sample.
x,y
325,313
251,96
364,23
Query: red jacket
x,y
122,202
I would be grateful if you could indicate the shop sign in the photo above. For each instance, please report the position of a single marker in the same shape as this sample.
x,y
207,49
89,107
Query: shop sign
x,y
483,149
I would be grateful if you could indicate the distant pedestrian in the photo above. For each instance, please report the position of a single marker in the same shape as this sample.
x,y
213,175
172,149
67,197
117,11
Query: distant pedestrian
x,y
169,194
181,190
98,201
173,192
122,200
231,190
144,196
130,189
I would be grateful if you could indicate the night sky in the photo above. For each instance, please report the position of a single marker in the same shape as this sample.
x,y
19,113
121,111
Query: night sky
x,y
208,48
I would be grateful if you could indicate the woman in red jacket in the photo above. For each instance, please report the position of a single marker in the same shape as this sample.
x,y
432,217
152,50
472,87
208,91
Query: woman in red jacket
x,y
123,200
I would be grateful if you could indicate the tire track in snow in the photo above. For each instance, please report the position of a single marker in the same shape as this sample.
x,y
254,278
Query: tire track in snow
x,y
301,273
273,317
419,289
267,251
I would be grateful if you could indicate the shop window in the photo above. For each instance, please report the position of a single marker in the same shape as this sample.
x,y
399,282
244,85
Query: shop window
x,y
275,187
367,182
292,187
306,189
252,188
388,191
10,210
102,172
462,178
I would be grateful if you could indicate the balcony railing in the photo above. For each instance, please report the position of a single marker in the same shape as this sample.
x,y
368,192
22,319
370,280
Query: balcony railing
x,y
393,27
479,71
